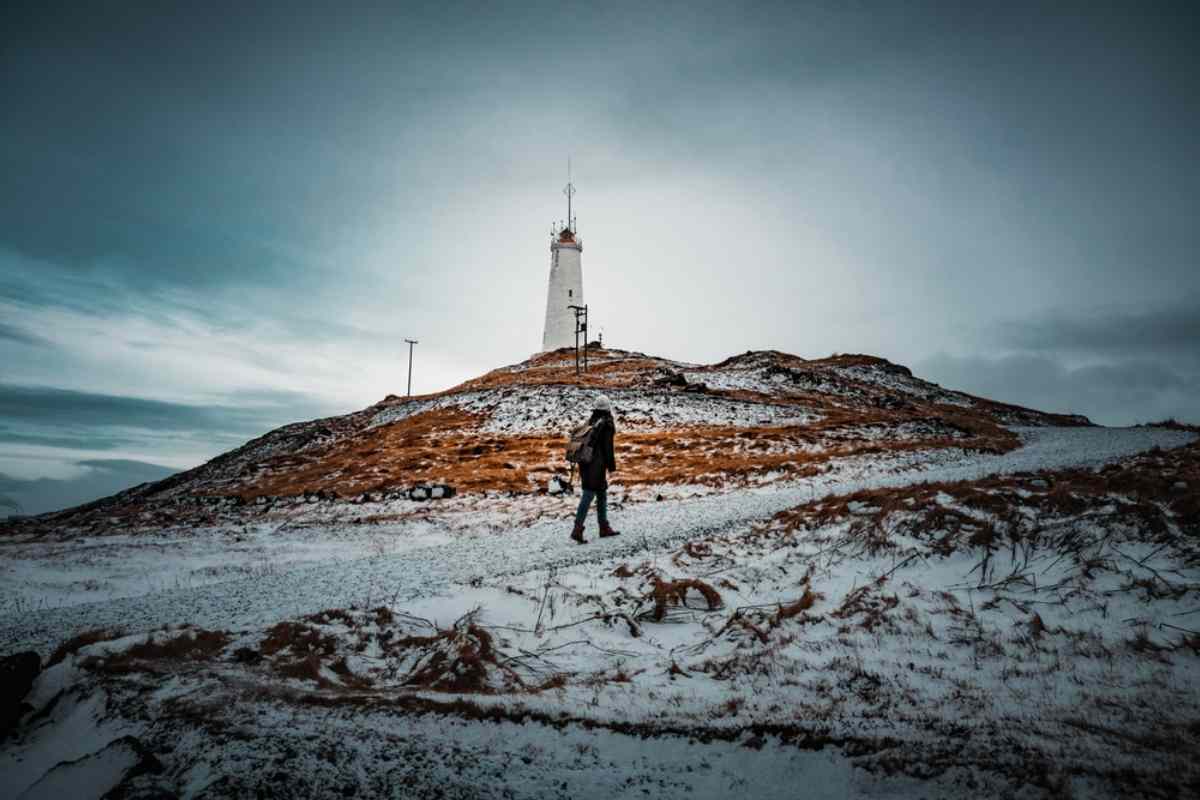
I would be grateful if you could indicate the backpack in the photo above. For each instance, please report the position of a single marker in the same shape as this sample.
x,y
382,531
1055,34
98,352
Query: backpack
x,y
579,445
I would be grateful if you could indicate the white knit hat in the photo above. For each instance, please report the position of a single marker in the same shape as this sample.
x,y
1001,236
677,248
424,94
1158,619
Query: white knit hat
x,y
603,404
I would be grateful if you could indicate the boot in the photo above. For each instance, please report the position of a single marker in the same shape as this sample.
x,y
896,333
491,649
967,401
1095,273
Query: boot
x,y
606,531
577,534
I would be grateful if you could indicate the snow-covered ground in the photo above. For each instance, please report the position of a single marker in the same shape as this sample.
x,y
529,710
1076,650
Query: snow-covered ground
x,y
534,409
249,575
725,687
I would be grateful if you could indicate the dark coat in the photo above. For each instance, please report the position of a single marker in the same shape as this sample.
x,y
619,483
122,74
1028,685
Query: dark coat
x,y
594,474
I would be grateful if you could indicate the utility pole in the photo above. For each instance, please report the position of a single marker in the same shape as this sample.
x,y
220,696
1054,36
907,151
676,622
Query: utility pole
x,y
411,342
580,327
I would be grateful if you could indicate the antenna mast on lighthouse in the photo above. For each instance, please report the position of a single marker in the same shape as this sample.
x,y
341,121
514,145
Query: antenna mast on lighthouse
x,y
569,191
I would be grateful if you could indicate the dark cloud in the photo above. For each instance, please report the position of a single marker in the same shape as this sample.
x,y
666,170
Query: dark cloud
x,y
13,333
100,478
65,436
1161,331
1119,393
326,180
42,406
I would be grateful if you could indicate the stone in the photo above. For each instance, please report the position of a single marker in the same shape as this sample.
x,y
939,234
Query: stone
x,y
671,378
17,674
246,655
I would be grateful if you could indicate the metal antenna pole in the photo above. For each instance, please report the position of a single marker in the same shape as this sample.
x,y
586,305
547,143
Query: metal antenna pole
x,y
411,342
585,341
580,311
569,191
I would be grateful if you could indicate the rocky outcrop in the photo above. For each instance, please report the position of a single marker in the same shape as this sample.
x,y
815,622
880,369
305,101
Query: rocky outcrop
x,y
17,674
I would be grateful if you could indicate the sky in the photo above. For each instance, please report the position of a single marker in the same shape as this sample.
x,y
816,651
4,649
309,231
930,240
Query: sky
x,y
219,218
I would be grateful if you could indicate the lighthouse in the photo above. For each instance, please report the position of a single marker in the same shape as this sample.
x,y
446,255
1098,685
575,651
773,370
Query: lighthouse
x,y
566,281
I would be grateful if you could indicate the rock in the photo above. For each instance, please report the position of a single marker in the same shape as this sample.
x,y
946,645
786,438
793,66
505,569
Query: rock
x,y
559,485
246,655
438,491
1179,486
671,378
890,402
112,771
1039,483
17,673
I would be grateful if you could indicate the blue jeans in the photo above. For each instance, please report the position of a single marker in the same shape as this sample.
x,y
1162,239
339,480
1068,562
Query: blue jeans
x,y
585,501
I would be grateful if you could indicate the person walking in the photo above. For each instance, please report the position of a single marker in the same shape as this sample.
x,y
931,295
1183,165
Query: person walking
x,y
594,474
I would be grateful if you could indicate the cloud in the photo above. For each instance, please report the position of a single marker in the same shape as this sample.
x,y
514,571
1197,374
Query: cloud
x,y
41,405
200,207
13,333
98,478
1161,331
55,433
1119,393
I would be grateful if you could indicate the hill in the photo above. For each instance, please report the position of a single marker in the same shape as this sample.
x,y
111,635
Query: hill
x,y
751,419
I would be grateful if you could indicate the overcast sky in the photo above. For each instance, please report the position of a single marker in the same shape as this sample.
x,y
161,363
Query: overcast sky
x,y
215,220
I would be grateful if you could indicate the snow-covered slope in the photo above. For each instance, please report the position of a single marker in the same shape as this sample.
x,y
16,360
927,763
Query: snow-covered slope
x,y
829,572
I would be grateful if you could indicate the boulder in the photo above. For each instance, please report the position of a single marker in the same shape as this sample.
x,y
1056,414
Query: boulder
x,y
671,378
17,673
437,491
559,485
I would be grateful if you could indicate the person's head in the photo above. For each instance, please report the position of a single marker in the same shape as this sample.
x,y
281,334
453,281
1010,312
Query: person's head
x,y
603,404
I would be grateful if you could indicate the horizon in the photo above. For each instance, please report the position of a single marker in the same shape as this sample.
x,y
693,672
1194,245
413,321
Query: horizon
x,y
218,223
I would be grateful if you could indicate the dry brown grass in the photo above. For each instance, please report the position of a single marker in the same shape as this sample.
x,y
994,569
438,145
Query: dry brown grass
x,y
994,511
461,659
606,368
447,445
868,606
674,593
299,639
797,607
191,646
82,640
197,645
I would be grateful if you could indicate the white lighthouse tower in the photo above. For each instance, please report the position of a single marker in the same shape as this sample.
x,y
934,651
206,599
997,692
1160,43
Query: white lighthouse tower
x,y
566,281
